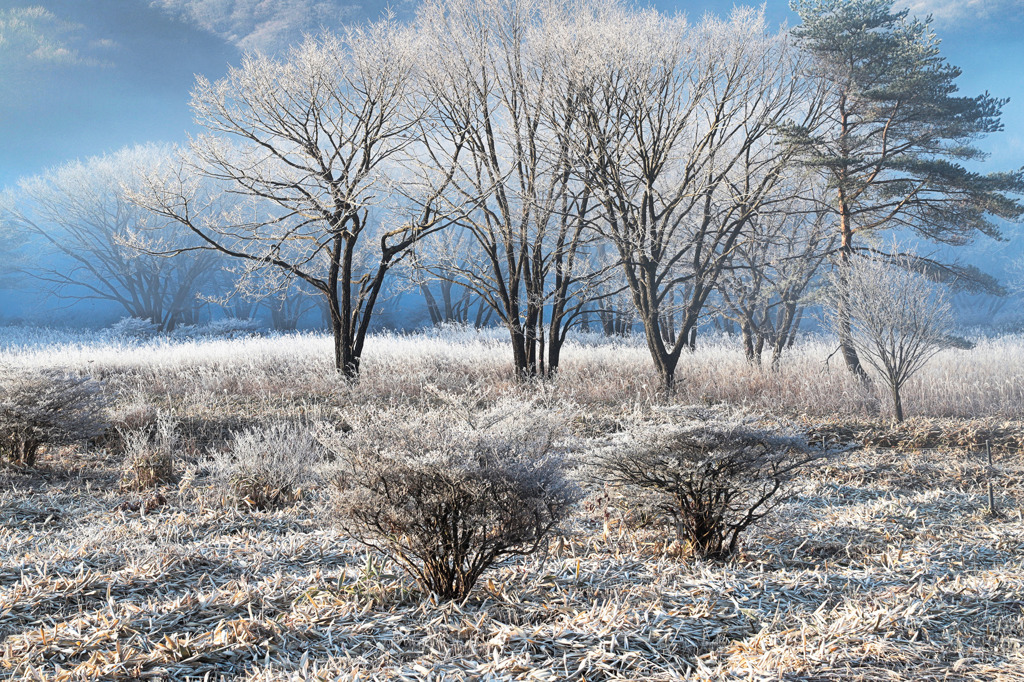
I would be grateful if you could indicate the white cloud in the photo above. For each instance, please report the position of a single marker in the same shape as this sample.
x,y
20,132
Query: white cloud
x,y
948,12
34,36
262,24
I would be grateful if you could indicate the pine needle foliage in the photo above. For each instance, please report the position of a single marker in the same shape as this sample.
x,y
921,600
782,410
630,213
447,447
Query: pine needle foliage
x,y
896,143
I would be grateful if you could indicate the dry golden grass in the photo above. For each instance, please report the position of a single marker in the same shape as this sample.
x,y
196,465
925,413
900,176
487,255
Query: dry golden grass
x,y
886,566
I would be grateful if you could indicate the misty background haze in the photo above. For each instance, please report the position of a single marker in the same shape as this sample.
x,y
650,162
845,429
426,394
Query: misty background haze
x,y
86,78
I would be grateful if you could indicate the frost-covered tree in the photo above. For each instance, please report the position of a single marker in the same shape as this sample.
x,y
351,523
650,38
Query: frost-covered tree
x,y
677,144
12,239
308,146
82,235
897,318
894,137
447,301
493,72
774,269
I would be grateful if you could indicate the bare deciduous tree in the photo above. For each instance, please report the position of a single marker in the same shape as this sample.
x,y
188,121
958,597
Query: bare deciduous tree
x,y
310,146
677,143
87,225
448,301
493,81
774,268
898,318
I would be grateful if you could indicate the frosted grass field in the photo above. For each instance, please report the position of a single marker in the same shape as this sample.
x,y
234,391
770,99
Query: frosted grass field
x,y
885,566
986,382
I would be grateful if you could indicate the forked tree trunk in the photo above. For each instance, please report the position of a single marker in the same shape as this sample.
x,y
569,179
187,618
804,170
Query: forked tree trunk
x,y
665,361
345,360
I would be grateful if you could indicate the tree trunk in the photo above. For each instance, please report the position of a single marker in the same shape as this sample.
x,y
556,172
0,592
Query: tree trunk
x,y
664,361
344,360
520,355
788,323
846,260
349,363
748,341
483,315
798,318
339,304
554,352
432,308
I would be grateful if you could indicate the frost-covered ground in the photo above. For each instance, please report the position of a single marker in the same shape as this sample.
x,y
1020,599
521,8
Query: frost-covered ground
x,y
885,566
987,381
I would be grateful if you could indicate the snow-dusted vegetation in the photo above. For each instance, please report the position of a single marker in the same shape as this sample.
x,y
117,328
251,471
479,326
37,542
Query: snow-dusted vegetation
x,y
210,374
877,563
634,348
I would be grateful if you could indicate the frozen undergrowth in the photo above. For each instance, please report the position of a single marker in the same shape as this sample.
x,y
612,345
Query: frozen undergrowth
x,y
885,566
595,370
868,574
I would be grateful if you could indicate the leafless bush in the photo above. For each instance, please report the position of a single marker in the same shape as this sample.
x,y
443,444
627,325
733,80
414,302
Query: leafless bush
x,y
40,408
267,468
225,328
129,413
713,478
149,455
447,498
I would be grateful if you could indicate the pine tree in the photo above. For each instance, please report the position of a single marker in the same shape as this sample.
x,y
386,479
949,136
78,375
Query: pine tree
x,y
894,135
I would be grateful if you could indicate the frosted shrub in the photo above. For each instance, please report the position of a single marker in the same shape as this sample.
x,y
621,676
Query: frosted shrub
x,y
223,328
267,468
149,454
445,497
134,329
129,414
711,479
46,408
133,416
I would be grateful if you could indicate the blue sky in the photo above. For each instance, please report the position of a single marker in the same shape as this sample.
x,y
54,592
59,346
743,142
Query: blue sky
x,y
84,77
